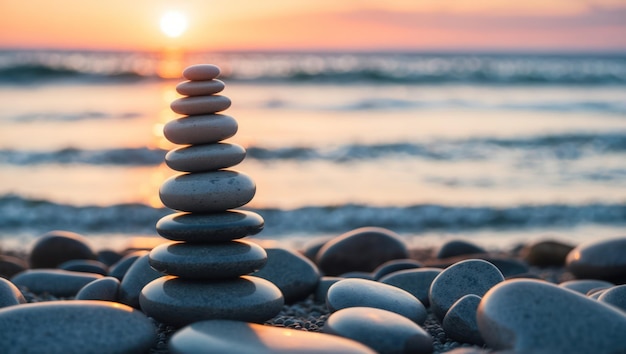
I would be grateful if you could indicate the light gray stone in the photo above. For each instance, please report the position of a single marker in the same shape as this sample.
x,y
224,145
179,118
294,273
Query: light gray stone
x,y
104,289
57,282
201,72
200,129
472,276
85,265
599,260
224,336
209,228
223,260
138,275
368,293
381,330
295,276
200,88
460,321
532,316
196,105
67,327
415,281
584,285
615,296
9,294
207,191
179,302
205,157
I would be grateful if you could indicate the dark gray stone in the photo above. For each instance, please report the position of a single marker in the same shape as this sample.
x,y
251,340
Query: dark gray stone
x,y
85,265
138,275
472,276
458,248
215,227
292,273
460,321
599,260
119,269
361,249
179,302
394,266
584,285
615,296
531,316
104,289
368,293
109,257
56,247
66,327
312,247
546,253
415,281
225,336
322,287
357,275
223,260
10,265
381,330
57,282
9,294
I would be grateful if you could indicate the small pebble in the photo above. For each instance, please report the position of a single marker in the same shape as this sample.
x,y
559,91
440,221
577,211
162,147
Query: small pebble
x,y
460,320
57,282
104,289
9,294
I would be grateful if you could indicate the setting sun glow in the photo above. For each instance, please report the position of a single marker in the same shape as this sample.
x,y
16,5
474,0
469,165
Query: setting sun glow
x,y
173,24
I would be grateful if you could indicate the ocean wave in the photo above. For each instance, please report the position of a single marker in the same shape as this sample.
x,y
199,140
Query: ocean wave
x,y
71,116
41,73
18,214
142,156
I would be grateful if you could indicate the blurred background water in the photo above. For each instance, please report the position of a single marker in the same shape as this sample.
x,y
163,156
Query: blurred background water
x,y
498,148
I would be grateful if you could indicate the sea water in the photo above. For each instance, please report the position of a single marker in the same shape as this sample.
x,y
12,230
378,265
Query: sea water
x,y
495,148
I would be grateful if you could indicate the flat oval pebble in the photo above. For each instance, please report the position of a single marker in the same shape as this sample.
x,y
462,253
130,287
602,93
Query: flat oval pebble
x,y
104,289
532,316
599,260
84,265
207,191
394,266
56,247
615,296
368,293
138,275
201,129
361,249
456,248
179,302
66,327
195,105
200,88
584,285
201,72
292,273
415,281
205,157
9,294
472,276
206,228
228,259
57,282
381,330
460,321
224,336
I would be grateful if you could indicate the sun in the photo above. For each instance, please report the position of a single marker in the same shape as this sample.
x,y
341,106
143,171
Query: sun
x,y
173,24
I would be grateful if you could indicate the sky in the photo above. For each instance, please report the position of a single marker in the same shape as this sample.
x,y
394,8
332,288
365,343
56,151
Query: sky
x,y
500,25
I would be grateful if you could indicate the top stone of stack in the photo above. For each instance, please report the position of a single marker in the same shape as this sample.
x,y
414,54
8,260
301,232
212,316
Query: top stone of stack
x,y
201,72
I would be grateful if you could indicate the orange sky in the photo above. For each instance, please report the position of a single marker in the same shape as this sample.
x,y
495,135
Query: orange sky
x,y
318,24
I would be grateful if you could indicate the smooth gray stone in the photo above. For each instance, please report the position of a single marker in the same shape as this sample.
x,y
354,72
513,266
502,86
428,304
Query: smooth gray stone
x,y
615,296
415,281
472,276
225,336
532,316
201,72
509,267
9,294
205,157
85,265
200,88
381,330
10,265
67,327
357,275
207,191
455,248
179,302
599,260
56,247
224,260
584,285
201,129
361,250
460,321
109,257
57,282
313,246
138,275
195,105
368,293
394,266
207,228
119,269
322,287
295,276
104,289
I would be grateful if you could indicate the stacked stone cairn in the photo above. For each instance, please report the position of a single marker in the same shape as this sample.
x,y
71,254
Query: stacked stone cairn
x,y
207,266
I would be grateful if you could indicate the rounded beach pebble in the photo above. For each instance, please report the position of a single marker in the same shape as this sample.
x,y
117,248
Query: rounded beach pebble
x,y
458,248
615,296
195,105
207,191
75,327
9,294
472,276
138,275
599,260
415,281
584,285
119,269
201,129
56,247
224,336
104,289
368,293
10,265
212,227
532,316
57,282
394,266
361,249
200,88
85,265
205,157
460,321
201,72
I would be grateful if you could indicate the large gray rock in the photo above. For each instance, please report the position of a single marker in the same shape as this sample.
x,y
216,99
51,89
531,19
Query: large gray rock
x,y
416,281
66,327
472,276
57,282
361,249
381,330
460,321
9,294
56,247
224,336
532,316
599,260
368,293
292,273
138,275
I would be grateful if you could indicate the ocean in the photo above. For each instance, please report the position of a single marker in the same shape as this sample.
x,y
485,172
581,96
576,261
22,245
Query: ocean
x,y
494,148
